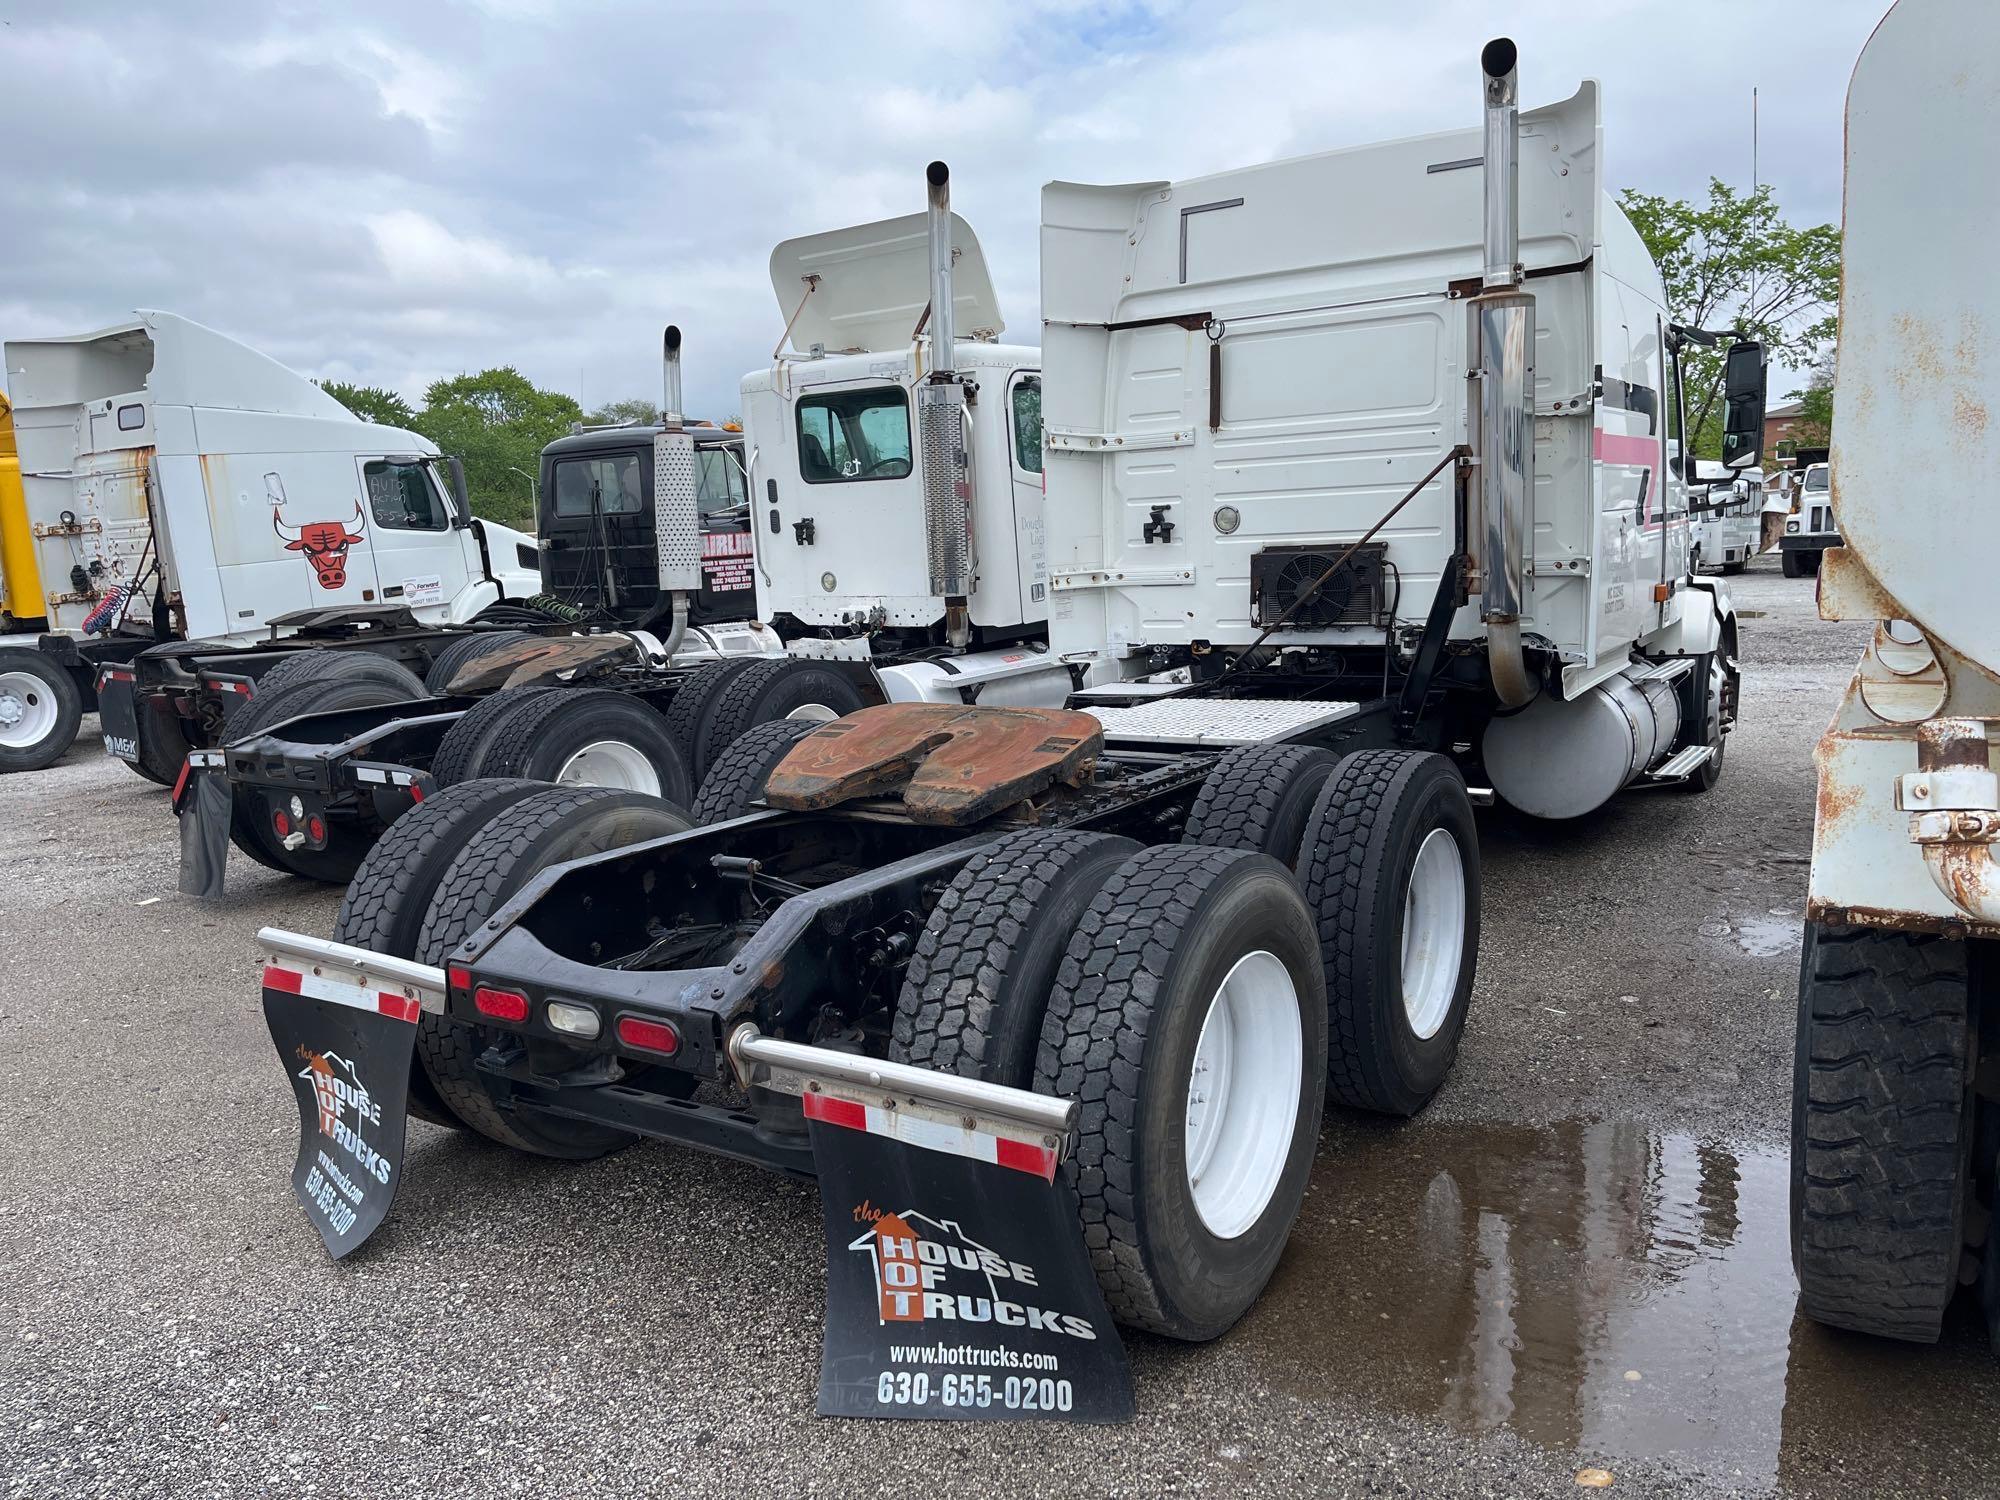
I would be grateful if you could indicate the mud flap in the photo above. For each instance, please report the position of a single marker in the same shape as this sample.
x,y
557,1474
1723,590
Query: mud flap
x,y
202,802
957,1283
347,1050
117,712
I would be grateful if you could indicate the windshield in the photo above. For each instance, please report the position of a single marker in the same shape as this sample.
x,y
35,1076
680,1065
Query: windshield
x,y
1816,479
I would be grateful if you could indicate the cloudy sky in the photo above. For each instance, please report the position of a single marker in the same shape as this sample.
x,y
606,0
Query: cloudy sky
x,y
388,193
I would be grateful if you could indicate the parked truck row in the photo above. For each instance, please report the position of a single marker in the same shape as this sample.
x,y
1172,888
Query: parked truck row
x,y
1185,628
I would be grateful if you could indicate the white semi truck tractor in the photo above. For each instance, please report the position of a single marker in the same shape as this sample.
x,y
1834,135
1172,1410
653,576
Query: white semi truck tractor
x,y
1896,1085
187,502
1313,436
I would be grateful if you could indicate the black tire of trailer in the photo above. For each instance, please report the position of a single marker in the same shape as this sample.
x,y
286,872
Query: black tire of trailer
x,y
460,748
386,901
1142,970
158,763
549,826
737,778
977,988
347,842
1375,816
41,699
1260,797
1732,569
1703,777
691,705
1882,1126
775,688
541,738
324,665
468,648
1798,563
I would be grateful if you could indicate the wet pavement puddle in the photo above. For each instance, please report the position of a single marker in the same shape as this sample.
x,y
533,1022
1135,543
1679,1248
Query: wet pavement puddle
x,y
1764,936
1594,1288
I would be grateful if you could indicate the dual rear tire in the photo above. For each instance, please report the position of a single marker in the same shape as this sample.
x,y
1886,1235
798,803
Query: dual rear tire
x,y
1202,1000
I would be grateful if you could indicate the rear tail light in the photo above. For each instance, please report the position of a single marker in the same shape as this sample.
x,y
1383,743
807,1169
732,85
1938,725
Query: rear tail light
x,y
458,978
501,1005
649,1036
316,830
571,1019
281,822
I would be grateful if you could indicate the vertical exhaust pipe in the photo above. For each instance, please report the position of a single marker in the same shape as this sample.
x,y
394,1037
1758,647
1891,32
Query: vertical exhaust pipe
x,y
676,516
1503,384
670,362
947,463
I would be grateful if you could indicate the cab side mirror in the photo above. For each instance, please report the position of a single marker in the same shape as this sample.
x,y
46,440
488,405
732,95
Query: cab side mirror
x,y
1743,405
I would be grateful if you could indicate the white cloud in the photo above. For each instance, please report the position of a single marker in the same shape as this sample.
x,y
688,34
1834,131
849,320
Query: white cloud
x,y
390,193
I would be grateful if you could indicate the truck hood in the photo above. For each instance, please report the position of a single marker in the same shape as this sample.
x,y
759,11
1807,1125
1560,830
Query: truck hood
x,y
874,284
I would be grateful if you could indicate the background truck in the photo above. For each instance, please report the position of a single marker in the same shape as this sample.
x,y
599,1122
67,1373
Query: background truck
x,y
1190,910
1896,1089
1726,508
1812,528
181,490
1222,455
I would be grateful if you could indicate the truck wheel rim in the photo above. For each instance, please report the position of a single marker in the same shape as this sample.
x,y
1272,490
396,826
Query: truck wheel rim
x,y
610,763
27,710
1433,932
813,713
1243,1094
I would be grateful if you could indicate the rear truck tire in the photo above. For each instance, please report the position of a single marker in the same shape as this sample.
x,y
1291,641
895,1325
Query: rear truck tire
x,y
383,910
550,825
774,688
445,665
459,750
585,737
1260,797
41,708
347,843
977,988
1189,1018
1788,564
1704,776
691,704
1390,865
1882,1127
1732,569
323,665
737,778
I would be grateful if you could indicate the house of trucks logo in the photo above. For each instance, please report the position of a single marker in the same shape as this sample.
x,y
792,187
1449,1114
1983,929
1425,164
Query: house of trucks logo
x,y
339,1093
928,1270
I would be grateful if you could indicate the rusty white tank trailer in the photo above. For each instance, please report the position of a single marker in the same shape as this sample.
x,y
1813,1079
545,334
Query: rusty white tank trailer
x,y
1308,455
1896,1086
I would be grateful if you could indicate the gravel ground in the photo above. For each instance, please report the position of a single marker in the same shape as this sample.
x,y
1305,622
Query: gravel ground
x,y
1576,1258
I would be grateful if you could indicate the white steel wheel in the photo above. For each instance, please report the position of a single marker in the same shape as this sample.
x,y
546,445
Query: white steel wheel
x,y
610,763
28,710
1243,1094
814,713
1433,932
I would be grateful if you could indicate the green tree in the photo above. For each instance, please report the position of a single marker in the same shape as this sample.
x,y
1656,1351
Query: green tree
x,y
498,422
631,409
1735,263
371,403
1814,428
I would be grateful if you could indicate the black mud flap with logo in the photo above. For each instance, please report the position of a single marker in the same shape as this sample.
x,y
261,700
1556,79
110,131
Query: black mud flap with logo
x,y
202,802
347,1051
957,1285
118,712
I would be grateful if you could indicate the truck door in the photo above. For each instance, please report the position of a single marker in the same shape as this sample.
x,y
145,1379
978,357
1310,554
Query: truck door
x,y
289,534
857,524
728,591
419,558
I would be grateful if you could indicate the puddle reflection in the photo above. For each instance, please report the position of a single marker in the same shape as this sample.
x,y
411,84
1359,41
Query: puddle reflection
x,y
1594,1287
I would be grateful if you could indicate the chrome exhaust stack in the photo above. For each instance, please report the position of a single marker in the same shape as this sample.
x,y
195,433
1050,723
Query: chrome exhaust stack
x,y
941,414
1502,371
676,517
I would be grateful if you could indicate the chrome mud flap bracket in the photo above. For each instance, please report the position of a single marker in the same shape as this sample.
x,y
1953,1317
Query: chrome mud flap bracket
x,y
958,1286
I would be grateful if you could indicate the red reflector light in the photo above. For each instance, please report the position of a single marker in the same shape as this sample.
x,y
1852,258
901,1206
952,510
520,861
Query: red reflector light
x,y
649,1036
316,829
457,978
502,1005
282,823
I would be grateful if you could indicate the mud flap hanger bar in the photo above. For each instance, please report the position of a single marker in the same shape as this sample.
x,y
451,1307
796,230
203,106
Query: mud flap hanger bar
x,y
925,1101
361,967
